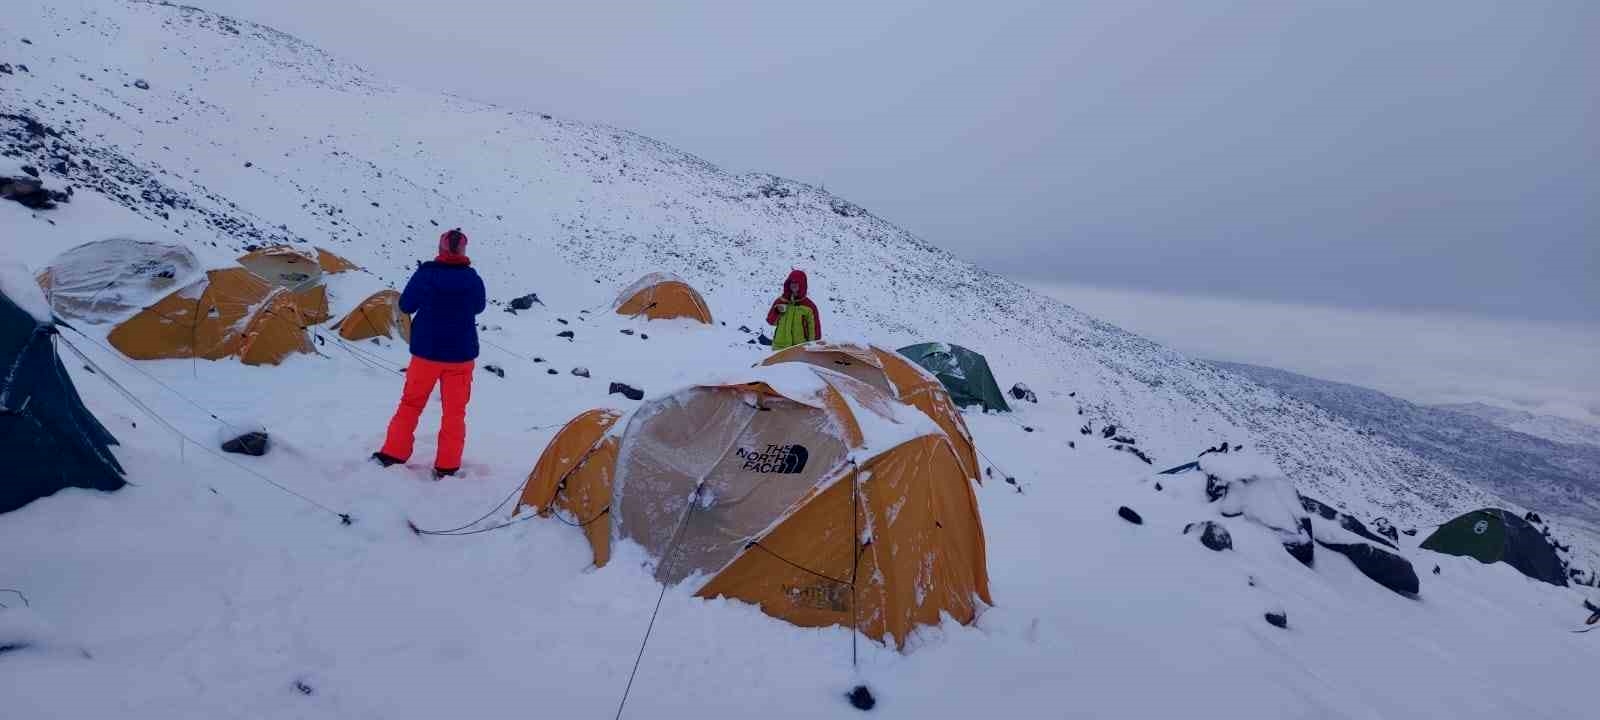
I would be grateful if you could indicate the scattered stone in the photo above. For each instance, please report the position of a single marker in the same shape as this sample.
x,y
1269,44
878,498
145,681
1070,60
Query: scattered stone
x,y
1027,428
1020,391
1386,529
30,193
552,371
141,84
1158,487
745,329
31,170
563,321
1436,569
860,697
304,688
5,69
249,164
628,391
250,443
580,372
26,41
764,340
1279,619
1409,532
1212,535
496,369
1532,516
568,334
643,336
626,331
537,360
1128,514
525,302
1110,431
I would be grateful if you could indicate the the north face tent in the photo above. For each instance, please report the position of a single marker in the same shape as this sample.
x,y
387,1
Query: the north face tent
x,y
797,489
226,313
48,439
964,373
1493,535
108,280
301,270
663,296
377,316
894,374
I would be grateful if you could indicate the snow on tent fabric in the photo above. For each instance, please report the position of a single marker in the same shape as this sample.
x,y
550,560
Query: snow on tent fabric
x,y
965,374
824,502
301,270
226,313
663,296
49,439
377,316
573,476
893,374
108,280
1493,535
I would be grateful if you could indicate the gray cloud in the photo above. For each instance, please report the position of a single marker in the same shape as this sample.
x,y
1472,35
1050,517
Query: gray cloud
x,y
1428,154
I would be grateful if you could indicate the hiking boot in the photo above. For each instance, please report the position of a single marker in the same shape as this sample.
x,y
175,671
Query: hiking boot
x,y
443,473
386,460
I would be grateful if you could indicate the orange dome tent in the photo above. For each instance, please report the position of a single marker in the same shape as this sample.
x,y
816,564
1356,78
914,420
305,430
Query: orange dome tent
x,y
106,281
377,316
892,373
226,313
806,492
663,296
301,270
573,476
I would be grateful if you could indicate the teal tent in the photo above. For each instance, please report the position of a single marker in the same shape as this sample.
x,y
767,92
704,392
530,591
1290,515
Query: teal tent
x,y
48,439
964,373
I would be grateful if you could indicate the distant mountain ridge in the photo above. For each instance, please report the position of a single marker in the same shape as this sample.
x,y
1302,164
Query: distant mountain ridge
x,y
1523,467
1549,427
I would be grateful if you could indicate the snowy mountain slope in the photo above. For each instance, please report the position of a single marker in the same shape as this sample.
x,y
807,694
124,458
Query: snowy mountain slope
x,y
1548,476
1549,427
201,591
337,157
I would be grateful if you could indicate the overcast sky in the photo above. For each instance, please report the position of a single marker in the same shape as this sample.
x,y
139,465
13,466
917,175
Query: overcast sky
x,y
1418,154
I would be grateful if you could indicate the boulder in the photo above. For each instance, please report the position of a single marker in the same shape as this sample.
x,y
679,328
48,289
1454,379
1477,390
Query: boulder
x,y
1386,529
254,443
1128,514
1020,391
29,192
1212,534
628,391
1381,566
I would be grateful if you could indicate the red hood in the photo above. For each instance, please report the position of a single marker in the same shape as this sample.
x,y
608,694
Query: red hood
x,y
795,276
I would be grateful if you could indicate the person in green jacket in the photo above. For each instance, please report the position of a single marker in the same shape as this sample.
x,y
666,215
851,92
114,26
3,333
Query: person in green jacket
x,y
793,315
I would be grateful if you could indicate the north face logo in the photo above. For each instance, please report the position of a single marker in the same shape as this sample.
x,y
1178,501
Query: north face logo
x,y
776,459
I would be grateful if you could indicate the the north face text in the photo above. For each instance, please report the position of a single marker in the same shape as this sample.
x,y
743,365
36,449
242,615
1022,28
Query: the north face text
x,y
776,459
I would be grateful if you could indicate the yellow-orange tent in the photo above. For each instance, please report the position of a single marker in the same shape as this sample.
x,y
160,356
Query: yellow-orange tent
x,y
573,477
892,373
806,492
227,313
377,316
301,271
663,296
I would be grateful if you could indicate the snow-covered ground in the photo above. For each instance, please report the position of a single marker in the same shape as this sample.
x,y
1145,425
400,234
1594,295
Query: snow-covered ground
x,y
202,591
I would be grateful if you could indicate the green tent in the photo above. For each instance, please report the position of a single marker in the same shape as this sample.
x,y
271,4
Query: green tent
x,y
48,439
1492,535
964,373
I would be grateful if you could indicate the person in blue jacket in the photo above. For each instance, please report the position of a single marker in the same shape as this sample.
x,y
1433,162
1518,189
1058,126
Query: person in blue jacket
x,y
444,298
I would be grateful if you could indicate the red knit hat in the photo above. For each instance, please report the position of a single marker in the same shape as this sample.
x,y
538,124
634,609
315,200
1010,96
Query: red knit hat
x,y
453,242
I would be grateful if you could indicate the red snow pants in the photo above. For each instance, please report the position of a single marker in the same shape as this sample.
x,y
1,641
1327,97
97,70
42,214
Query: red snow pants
x,y
455,389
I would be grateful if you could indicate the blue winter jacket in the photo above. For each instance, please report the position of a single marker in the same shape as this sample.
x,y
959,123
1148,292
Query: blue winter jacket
x,y
444,300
